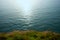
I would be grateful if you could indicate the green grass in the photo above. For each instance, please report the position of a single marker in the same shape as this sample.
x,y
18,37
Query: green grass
x,y
30,35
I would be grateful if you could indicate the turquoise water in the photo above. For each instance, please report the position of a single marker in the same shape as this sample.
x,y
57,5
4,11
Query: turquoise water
x,y
45,16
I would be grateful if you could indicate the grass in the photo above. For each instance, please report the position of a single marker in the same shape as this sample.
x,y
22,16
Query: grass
x,y
30,35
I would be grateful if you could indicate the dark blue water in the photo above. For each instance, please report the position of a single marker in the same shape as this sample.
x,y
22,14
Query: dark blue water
x,y
46,16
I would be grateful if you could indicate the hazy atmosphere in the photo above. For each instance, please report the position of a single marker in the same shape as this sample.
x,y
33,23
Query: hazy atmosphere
x,y
37,15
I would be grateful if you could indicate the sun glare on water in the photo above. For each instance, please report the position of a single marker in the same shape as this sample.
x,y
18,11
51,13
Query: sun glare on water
x,y
26,6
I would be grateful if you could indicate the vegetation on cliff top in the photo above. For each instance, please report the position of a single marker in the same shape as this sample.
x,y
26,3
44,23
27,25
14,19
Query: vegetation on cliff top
x,y
30,35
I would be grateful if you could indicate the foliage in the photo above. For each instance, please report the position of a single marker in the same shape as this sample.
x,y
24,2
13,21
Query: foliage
x,y
30,35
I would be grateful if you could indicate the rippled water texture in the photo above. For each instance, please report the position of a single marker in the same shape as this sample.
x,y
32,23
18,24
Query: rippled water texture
x,y
45,16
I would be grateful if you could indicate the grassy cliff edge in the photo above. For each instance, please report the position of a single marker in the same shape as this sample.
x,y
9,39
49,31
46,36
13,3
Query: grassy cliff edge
x,y
30,35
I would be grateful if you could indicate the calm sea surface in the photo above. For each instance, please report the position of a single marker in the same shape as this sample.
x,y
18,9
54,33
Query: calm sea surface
x,y
46,16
